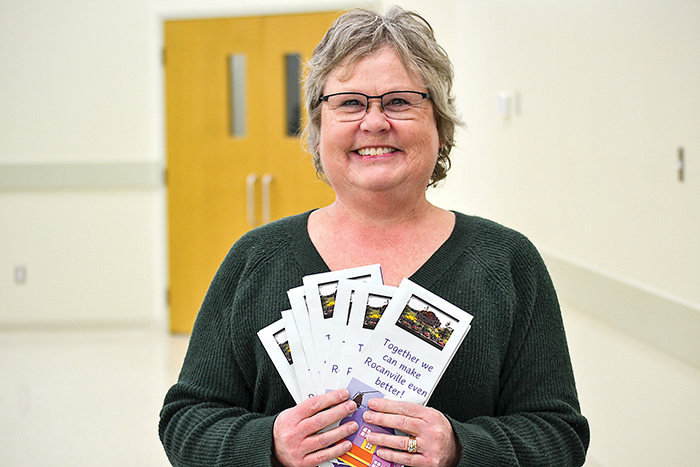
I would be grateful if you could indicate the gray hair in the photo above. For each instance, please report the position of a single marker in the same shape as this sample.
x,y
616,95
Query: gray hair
x,y
359,33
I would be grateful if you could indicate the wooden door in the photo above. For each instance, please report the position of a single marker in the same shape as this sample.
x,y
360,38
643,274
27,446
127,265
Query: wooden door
x,y
225,166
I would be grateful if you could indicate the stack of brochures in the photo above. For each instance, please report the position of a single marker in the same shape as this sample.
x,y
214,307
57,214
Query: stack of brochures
x,y
346,329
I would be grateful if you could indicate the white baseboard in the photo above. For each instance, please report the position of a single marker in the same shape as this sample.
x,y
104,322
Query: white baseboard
x,y
666,323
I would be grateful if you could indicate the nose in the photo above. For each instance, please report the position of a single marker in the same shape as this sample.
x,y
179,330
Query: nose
x,y
374,119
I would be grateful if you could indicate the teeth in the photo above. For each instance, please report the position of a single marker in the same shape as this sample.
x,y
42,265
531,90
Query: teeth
x,y
374,151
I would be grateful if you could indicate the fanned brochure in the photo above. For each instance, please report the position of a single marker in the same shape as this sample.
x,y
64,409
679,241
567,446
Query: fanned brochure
x,y
375,340
321,298
276,342
368,305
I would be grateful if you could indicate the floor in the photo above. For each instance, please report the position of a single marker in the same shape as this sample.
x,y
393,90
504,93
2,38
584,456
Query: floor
x,y
85,398
92,398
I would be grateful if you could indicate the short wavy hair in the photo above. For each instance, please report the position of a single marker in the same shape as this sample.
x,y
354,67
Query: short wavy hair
x,y
360,33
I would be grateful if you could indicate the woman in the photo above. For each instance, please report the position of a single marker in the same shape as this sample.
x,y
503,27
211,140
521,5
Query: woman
x,y
381,127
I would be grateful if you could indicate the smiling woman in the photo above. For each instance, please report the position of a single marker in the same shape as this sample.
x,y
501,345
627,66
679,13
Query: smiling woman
x,y
357,37
376,153
381,128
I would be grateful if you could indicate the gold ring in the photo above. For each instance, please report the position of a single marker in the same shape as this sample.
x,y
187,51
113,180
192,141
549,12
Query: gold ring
x,y
412,445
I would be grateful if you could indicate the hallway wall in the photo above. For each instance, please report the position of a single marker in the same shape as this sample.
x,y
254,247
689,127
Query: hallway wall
x,y
586,164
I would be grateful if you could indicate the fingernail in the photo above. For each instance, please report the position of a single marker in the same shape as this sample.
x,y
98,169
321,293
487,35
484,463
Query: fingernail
x,y
353,426
367,416
344,394
350,406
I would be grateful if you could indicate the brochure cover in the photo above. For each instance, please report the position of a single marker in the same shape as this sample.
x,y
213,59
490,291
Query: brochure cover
x,y
368,306
321,292
411,345
307,370
339,324
274,339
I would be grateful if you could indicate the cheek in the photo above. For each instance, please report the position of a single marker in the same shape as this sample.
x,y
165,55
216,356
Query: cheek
x,y
326,151
334,138
430,144
323,136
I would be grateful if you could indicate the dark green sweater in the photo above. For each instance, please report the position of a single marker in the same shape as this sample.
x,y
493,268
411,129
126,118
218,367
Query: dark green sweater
x,y
509,392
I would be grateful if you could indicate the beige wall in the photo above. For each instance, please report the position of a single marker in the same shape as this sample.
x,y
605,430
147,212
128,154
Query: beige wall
x,y
607,95
586,167
77,108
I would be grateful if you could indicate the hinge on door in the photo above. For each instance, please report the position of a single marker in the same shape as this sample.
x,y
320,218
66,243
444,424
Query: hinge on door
x,y
167,297
165,177
163,57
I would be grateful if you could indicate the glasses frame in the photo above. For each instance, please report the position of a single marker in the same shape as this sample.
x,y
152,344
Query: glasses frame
x,y
424,95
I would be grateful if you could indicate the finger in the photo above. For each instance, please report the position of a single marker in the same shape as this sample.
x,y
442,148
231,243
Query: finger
x,y
329,444
325,455
404,423
397,407
327,417
330,437
396,442
401,457
315,404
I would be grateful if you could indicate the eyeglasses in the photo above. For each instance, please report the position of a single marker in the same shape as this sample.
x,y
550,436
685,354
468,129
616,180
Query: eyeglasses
x,y
352,106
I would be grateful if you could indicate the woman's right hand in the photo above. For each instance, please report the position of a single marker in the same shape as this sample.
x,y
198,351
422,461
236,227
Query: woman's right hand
x,y
298,437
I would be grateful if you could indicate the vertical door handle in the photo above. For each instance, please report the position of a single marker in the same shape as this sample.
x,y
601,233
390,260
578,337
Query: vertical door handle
x,y
266,208
250,182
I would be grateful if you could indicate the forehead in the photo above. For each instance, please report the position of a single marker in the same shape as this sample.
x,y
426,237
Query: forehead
x,y
382,69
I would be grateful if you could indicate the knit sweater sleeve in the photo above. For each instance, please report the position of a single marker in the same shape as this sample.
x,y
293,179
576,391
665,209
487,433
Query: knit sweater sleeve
x,y
527,413
222,409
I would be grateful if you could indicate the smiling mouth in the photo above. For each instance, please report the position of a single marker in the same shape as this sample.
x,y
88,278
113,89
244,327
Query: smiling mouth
x,y
376,151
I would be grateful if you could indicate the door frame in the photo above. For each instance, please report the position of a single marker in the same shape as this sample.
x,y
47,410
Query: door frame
x,y
200,10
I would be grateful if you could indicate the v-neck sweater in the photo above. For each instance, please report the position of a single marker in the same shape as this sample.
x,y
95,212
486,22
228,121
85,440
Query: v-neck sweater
x,y
509,391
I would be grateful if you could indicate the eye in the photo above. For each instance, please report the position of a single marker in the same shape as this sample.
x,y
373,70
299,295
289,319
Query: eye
x,y
350,103
397,103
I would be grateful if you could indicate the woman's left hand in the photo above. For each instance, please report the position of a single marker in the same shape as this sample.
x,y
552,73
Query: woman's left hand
x,y
435,441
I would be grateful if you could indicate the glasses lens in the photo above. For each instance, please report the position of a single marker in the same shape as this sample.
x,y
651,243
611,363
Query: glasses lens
x,y
402,105
347,106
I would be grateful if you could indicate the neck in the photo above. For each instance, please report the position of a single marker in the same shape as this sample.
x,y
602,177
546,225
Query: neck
x,y
400,239
380,209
